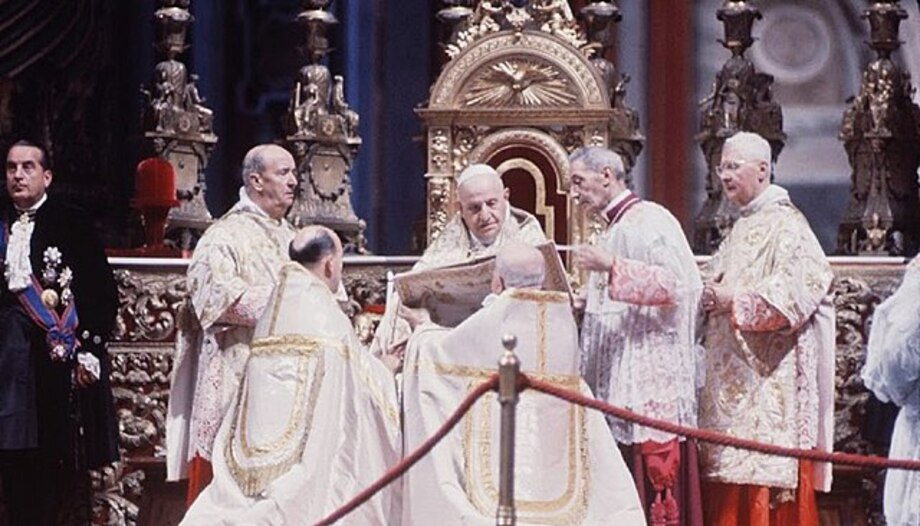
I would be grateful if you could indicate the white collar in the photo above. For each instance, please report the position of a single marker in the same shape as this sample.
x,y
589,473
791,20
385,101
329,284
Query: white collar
x,y
771,194
247,203
35,206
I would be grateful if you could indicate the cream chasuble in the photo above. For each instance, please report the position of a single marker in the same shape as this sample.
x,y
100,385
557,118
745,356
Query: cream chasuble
x,y
315,420
452,246
230,277
568,468
892,372
770,360
638,347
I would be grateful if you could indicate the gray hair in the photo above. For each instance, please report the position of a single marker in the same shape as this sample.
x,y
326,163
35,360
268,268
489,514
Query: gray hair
x,y
750,146
521,266
596,158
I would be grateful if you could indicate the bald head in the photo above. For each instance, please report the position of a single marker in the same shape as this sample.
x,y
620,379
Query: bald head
x,y
483,202
518,266
319,250
268,173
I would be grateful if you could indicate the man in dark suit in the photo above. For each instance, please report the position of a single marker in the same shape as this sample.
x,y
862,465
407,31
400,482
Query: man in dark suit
x,y
57,308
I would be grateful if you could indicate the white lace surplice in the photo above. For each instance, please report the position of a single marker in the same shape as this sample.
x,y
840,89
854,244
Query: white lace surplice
x,y
892,372
770,360
638,347
230,276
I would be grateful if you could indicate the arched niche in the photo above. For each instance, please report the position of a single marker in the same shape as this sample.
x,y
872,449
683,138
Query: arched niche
x,y
521,102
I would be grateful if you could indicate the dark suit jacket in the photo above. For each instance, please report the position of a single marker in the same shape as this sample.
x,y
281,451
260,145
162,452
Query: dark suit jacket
x,y
39,405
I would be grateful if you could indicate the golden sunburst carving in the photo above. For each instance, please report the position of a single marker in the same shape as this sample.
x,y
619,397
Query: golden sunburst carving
x,y
520,83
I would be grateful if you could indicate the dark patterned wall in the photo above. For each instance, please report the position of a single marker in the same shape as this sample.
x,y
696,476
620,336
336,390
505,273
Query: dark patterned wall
x,y
70,74
68,78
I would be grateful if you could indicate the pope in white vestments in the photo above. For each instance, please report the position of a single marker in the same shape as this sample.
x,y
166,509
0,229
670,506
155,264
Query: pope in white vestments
x,y
568,468
485,222
315,420
230,278
892,372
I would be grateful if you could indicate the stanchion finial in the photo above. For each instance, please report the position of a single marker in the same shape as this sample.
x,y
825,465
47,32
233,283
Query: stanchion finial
x,y
509,368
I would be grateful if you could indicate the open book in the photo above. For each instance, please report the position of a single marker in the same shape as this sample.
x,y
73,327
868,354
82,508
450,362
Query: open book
x,y
452,293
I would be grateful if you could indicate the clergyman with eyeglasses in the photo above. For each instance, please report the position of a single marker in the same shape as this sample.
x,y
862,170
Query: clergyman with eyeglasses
x,y
769,339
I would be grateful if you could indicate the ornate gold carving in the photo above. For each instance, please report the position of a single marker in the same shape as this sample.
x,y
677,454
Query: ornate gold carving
x,y
148,305
439,192
517,82
570,137
498,50
110,484
597,136
438,149
491,16
857,291
140,387
175,108
501,46
466,139
367,285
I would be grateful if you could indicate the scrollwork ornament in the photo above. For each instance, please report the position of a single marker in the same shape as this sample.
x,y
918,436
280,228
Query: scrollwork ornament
x,y
570,137
439,191
477,58
147,305
465,139
553,17
439,149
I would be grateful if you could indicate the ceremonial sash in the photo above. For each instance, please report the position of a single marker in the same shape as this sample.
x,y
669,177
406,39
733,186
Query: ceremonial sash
x,y
60,329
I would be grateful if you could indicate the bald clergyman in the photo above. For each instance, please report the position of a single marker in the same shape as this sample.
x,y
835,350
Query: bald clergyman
x,y
230,277
315,420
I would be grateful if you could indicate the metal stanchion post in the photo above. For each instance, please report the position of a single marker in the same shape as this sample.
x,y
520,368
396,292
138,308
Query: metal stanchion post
x,y
509,367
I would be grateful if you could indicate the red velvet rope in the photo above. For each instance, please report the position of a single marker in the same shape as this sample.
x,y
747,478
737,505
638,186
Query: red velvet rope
x,y
719,438
574,397
408,461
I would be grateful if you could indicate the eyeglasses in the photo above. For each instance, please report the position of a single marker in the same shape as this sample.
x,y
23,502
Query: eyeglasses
x,y
730,166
